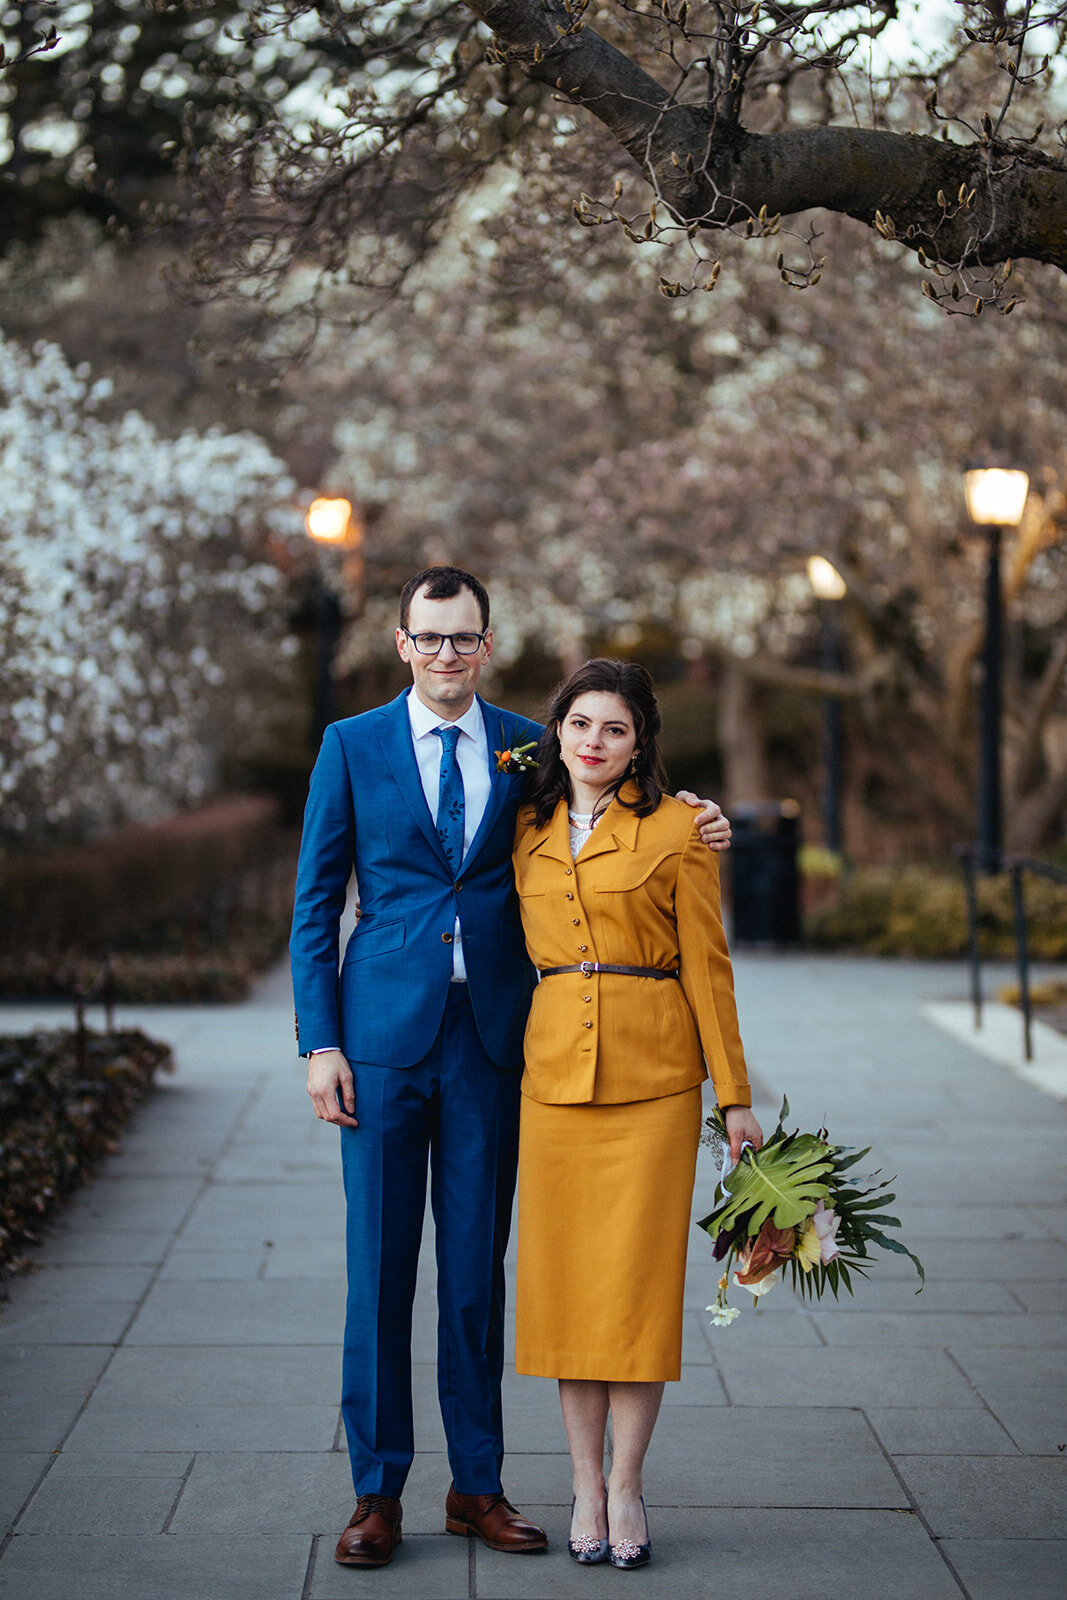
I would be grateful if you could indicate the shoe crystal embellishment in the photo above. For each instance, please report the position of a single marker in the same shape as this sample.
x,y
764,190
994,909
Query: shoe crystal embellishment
x,y
585,1546
625,1550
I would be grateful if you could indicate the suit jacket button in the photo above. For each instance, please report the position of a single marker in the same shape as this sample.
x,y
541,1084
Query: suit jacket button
x,y
569,895
568,871
446,938
587,1024
583,948
575,923
587,997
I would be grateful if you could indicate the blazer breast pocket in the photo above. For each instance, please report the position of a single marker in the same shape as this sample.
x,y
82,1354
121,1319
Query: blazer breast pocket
x,y
624,876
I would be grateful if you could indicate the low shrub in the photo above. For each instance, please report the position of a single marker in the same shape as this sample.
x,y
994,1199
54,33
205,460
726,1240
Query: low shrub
x,y
922,911
143,885
191,909
64,1098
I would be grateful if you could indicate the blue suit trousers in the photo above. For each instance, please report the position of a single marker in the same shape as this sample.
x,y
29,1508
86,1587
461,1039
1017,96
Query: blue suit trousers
x,y
456,1114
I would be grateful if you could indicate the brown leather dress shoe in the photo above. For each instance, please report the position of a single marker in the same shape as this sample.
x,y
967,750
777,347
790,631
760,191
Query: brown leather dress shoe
x,y
373,1533
493,1520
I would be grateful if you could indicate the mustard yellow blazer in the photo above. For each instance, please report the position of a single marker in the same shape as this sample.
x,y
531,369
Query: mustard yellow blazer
x,y
644,892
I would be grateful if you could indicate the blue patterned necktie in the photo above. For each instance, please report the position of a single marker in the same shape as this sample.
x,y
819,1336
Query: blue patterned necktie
x,y
450,798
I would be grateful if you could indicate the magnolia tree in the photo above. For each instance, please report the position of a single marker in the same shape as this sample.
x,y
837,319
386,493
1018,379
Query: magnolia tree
x,y
699,125
141,635
622,468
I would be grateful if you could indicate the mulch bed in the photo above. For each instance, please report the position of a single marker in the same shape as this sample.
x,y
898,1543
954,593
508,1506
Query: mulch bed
x,y
65,1096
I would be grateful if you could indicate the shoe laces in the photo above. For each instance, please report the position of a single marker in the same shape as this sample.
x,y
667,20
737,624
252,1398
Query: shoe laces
x,y
368,1504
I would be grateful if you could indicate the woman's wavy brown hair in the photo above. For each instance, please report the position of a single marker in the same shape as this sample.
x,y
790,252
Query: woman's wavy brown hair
x,y
630,681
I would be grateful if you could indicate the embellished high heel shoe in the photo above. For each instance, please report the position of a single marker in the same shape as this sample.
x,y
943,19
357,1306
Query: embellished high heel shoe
x,y
628,1554
590,1552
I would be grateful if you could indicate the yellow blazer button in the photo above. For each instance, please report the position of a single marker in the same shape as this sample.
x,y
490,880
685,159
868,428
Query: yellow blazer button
x,y
583,948
587,997
568,871
587,1024
575,922
446,938
569,895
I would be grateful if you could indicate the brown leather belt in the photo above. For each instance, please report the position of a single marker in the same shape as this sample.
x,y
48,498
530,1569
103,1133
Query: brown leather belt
x,y
587,968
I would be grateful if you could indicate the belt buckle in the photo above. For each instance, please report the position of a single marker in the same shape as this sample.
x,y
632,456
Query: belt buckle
x,y
587,968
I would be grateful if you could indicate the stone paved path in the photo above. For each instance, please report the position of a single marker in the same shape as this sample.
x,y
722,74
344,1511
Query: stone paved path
x,y
169,1373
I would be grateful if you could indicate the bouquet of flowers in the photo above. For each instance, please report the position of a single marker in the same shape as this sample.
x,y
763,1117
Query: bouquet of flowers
x,y
793,1206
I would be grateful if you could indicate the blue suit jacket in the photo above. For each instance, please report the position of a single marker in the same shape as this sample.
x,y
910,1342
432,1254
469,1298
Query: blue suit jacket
x,y
366,808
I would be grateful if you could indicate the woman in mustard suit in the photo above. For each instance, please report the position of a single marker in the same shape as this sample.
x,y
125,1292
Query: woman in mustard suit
x,y
620,908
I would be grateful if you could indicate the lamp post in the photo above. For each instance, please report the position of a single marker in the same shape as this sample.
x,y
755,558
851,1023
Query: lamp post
x,y
330,523
829,589
995,500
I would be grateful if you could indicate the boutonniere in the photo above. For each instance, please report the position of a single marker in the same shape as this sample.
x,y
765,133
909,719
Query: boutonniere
x,y
515,758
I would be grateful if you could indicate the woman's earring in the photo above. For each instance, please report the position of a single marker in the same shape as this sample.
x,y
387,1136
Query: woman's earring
x,y
633,765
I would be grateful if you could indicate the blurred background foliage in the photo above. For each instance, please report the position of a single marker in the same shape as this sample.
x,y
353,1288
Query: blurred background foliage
x,y
631,474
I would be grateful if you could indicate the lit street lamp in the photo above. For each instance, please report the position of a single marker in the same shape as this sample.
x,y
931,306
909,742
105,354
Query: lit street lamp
x,y
829,588
995,501
330,523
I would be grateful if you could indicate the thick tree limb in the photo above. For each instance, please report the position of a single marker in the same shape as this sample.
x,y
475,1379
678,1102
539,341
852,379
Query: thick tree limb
x,y
1020,195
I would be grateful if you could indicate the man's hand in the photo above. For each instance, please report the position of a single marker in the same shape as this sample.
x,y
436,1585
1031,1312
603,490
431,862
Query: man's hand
x,y
713,826
741,1125
328,1071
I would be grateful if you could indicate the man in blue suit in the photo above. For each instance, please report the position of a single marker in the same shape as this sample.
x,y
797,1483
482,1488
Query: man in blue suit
x,y
415,1051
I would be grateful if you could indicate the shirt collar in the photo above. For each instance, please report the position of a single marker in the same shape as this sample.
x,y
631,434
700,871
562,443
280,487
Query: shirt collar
x,y
425,722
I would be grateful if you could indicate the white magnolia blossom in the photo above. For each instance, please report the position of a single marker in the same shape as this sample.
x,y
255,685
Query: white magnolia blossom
x,y
137,626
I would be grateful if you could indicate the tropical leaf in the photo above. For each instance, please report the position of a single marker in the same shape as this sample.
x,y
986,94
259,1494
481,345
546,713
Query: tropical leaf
x,y
785,1181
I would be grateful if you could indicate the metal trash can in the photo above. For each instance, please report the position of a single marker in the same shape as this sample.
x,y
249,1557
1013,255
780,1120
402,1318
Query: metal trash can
x,y
764,873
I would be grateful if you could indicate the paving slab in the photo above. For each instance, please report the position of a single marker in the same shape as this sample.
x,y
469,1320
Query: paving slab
x,y
220,1376
20,1471
69,1286
37,1421
171,1464
262,1426
843,1375
1008,1569
202,1456
1014,1329
84,1322
155,1567
1025,1393
29,1369
75,1505
973,1498
265,1491
141,1203
764,1554
943,1432
749,1455
432,1566
72,1245
287,1311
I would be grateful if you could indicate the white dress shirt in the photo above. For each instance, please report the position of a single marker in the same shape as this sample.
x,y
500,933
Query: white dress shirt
x,y
472,753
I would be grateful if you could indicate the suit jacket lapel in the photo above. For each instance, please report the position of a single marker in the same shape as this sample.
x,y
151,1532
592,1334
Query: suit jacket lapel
x,y
394,735
554,838
501,785
618,827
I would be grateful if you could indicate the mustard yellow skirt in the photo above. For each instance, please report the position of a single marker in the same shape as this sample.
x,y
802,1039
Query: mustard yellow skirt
x,y
605,1203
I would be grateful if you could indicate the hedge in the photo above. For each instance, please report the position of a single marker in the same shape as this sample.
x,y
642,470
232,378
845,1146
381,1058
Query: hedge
x,y
64,1099
191,908
922,911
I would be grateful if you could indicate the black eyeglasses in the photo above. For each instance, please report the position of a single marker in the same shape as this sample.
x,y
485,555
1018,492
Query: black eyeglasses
x,y
429,644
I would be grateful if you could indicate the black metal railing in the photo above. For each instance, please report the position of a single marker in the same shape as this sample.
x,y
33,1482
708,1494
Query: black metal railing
x,y
101,989
975,859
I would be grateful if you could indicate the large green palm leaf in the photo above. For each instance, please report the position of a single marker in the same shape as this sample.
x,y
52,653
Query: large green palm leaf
x,y
786,1184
